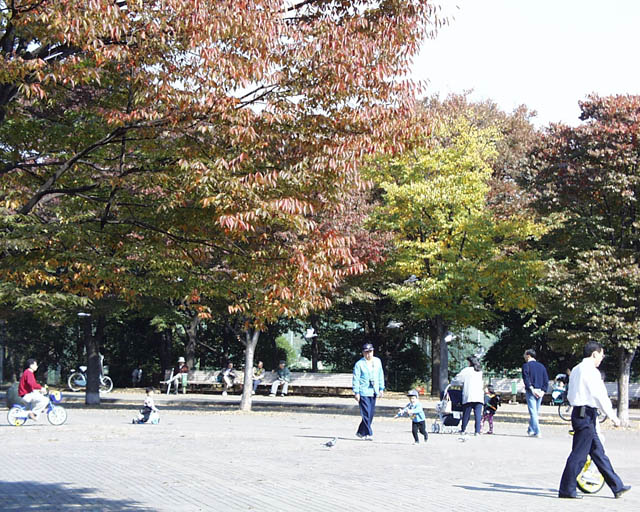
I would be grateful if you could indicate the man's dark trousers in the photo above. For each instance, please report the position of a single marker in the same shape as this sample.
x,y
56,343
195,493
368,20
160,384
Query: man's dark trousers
x,y
367,410
586,441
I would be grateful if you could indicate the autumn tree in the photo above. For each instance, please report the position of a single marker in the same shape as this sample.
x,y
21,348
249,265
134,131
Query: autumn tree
x,y
195,146
459,259
587,180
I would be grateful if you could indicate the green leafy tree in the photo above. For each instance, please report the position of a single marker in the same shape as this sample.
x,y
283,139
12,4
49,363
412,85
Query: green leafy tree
x,y
461,260
587,179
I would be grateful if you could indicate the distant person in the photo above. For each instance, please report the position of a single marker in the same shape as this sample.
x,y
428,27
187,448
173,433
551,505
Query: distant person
x,y
32,392
181,369
136,377
283,379
257,376
491,404
536,382
147,408
228,378
472,394
587,393
415,411
368,384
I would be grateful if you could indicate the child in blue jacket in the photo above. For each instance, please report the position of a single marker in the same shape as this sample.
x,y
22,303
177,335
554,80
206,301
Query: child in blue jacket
x,y
415,411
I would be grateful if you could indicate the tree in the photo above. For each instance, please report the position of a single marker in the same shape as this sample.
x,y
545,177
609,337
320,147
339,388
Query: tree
x,y
195,148
587,179
461,260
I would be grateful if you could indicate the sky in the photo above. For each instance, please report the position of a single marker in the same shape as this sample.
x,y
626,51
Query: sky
x,y
545,54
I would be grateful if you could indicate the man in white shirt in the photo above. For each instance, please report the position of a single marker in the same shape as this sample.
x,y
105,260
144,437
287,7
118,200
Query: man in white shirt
x,y
587,393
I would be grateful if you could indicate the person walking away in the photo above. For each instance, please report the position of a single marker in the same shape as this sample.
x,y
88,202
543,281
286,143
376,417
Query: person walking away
x,y
257,376
536,382
587,393
147,408
32,392
368,384
284,377
228,378
472,394
491,404
415,411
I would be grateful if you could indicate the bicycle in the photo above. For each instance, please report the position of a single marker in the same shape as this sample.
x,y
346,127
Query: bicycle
x,y
56,414
559,398
78,380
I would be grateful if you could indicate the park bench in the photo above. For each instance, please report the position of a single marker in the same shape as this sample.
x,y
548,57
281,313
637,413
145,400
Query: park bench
x,y
505,387
307,381
198,378
313,382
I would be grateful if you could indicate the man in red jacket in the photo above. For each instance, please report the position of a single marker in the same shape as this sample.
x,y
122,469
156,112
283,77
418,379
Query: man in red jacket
x,y
30,391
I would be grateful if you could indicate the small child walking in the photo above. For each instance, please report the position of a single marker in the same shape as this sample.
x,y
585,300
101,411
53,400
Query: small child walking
x,y
491,404
147,409
415,411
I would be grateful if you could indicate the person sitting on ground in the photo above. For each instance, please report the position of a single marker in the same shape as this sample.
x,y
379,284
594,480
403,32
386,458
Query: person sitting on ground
x,y
257,376
228,378
284,377
32,392
415,411
176,378
147,408
491,404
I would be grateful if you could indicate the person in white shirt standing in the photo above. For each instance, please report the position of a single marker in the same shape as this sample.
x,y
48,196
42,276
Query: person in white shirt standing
x,y
587,393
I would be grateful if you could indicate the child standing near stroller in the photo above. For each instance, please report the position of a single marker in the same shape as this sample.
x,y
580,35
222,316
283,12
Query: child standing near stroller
x,y
147,409
491,404
415,411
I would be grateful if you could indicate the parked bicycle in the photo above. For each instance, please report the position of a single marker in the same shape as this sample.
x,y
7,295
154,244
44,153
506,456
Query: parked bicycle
x,y
56,414
559,398
78,380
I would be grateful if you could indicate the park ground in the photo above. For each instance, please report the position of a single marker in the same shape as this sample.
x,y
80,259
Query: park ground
x,y
205,455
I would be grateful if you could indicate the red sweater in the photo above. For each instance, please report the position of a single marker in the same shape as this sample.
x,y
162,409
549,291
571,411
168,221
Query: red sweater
x,y
27,383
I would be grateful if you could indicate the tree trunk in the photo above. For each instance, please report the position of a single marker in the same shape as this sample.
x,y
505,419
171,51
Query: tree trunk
x,y
92,391
439,356
250,343
624,370
315,347
192,341
164,351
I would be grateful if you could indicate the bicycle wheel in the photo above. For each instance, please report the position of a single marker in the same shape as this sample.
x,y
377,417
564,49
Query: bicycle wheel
x,y
106,384
590,480
602,417
564,411
57,415
16,416
74,381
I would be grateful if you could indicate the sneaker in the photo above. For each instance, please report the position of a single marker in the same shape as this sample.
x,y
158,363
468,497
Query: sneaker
x,y
490,432
272,394
360,436
535,435
368,438
283,395
416,442
224,393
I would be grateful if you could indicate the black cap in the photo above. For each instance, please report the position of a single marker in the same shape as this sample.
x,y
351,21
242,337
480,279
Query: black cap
x,y
367,347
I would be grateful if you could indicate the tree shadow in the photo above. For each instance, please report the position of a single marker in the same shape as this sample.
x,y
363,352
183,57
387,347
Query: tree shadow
x,y
40,496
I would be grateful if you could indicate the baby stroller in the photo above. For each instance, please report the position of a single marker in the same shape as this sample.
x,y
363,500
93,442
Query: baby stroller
x,y
559,391
449,410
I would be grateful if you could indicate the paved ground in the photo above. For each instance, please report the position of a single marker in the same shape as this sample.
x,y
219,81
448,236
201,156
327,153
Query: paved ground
x,y
213,458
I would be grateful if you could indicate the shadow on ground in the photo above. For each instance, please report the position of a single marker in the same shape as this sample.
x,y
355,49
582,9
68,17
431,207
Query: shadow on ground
x,y
40,497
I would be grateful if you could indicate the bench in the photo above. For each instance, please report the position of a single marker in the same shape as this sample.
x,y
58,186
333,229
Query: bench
x,y
307,380
504,386
196,378
336,382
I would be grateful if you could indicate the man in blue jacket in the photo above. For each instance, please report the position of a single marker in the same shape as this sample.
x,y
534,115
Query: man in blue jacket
x,y
368,384
536,382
